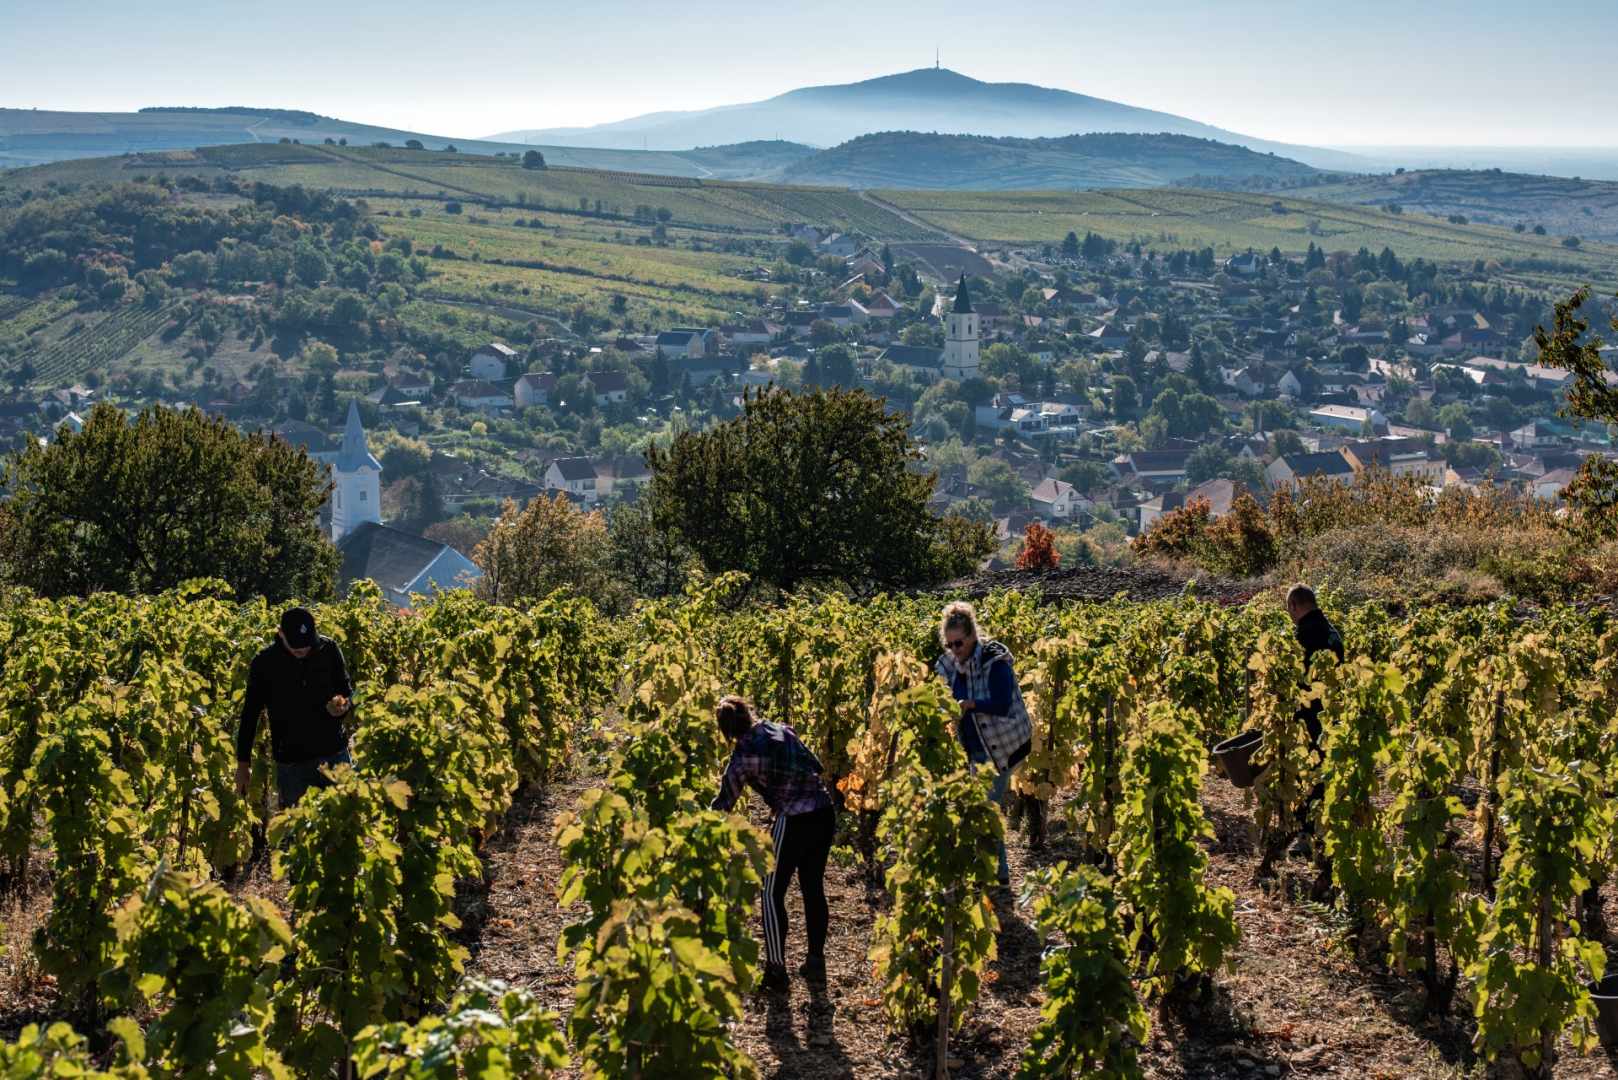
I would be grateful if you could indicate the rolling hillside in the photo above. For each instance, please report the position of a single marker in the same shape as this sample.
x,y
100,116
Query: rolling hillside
x,y
38,137
909,159
1564,207
928,99
1162,218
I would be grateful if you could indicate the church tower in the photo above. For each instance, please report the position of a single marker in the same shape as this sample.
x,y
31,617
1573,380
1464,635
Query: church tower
x,y
357,478
961,337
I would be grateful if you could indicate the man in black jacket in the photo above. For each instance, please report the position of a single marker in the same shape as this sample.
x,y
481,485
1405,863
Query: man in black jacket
x,y
300,678
1315,634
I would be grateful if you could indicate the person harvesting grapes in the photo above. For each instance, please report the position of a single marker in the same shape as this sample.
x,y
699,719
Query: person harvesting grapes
x,y
770,758
1315,634
301,680
993,725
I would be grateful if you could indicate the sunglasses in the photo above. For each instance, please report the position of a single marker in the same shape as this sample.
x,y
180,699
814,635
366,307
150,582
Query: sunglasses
x,y
956,644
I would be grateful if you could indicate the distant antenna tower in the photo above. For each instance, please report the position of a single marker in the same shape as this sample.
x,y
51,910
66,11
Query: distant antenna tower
x,y
936,64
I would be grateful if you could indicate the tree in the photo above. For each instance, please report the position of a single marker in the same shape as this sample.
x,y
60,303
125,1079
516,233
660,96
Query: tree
x,y
649,561
998,481
1286,442
1594,490
413,144
1086,476
550,544
141,506
815,487
533,159
1206,462
1038,549
1125,397
1070,245
1456,419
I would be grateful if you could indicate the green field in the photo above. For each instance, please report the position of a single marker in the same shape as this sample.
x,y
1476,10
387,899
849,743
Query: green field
x,y
714,205
1230,222
712,211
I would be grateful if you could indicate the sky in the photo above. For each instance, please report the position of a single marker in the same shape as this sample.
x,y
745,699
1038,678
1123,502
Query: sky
x,y
1413,72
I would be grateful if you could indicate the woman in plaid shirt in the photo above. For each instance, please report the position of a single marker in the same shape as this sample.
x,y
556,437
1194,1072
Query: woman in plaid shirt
x,y
770,759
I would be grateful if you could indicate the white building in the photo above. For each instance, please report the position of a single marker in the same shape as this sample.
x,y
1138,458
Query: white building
x,y
961,337
356,496
576,475
490,361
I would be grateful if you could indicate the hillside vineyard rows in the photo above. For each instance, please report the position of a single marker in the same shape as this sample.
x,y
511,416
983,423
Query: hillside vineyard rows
x,y
117,765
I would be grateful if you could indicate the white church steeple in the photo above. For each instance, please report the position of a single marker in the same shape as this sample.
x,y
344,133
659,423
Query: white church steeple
x,y
961,338
357,481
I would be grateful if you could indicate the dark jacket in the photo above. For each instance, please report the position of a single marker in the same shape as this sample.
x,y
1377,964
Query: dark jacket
x,y
295,692
1315,634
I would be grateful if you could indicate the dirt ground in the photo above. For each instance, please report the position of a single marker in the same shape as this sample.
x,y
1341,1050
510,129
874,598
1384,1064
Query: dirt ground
x,y
1295,1001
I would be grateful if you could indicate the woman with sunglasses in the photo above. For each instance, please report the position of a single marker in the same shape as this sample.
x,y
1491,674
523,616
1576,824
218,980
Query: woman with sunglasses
x,y
993,726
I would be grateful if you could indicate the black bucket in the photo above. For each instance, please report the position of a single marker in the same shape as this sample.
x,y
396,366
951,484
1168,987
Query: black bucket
x,y
1235,757
1605,995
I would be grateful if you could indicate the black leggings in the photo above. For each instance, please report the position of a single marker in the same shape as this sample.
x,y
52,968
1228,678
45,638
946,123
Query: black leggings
x,y
802,842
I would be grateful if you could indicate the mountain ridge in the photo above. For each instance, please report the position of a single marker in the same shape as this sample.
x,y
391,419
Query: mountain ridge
x,y
925,99
929,160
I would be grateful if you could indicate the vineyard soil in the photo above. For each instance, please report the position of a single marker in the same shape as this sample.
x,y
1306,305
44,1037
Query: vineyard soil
x,y
1297,1003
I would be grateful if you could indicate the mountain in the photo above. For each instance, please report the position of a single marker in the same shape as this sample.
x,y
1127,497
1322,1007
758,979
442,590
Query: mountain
x,y
928,99
908,159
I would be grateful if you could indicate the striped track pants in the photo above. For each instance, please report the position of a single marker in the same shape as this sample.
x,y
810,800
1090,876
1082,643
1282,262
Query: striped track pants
x,y
801,842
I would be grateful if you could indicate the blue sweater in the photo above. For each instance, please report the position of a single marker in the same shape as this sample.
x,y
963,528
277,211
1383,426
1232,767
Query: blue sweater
x,y
1001,686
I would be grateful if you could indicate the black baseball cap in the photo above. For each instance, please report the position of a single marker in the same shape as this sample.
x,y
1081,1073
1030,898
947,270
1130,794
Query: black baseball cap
x,y
298,628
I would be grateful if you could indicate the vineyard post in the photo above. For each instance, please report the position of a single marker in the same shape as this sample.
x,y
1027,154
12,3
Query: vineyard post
x,y
1490,794
1545,932
1109,764
945,978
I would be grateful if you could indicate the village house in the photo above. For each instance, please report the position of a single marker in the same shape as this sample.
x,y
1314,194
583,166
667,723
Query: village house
x,y
576,476
1219,493
480,394
1054,499
402,564
609,387
1291,469
492,362
1348,417
1399,457
1109,336
683,341
1156,468
533,389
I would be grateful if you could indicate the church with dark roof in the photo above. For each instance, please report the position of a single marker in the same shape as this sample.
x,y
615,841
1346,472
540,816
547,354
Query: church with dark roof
x,y
402,563
958,359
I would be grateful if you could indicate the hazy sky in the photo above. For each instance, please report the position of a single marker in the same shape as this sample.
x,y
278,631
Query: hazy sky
x,y
1480,72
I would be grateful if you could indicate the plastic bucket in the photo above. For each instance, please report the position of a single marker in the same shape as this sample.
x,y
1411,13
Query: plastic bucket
x,y
1605,995
1235,756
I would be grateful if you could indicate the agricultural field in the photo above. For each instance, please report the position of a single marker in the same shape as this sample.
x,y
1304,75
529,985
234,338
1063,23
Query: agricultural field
x,y
1232,222
1562,206
527,803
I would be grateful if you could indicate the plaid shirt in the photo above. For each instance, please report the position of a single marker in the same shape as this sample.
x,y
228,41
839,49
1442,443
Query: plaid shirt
x,y
771,760
1006,738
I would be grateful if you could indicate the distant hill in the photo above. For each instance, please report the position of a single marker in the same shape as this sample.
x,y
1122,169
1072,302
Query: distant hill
x,y
1564,207
39,137
909,159
928,99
